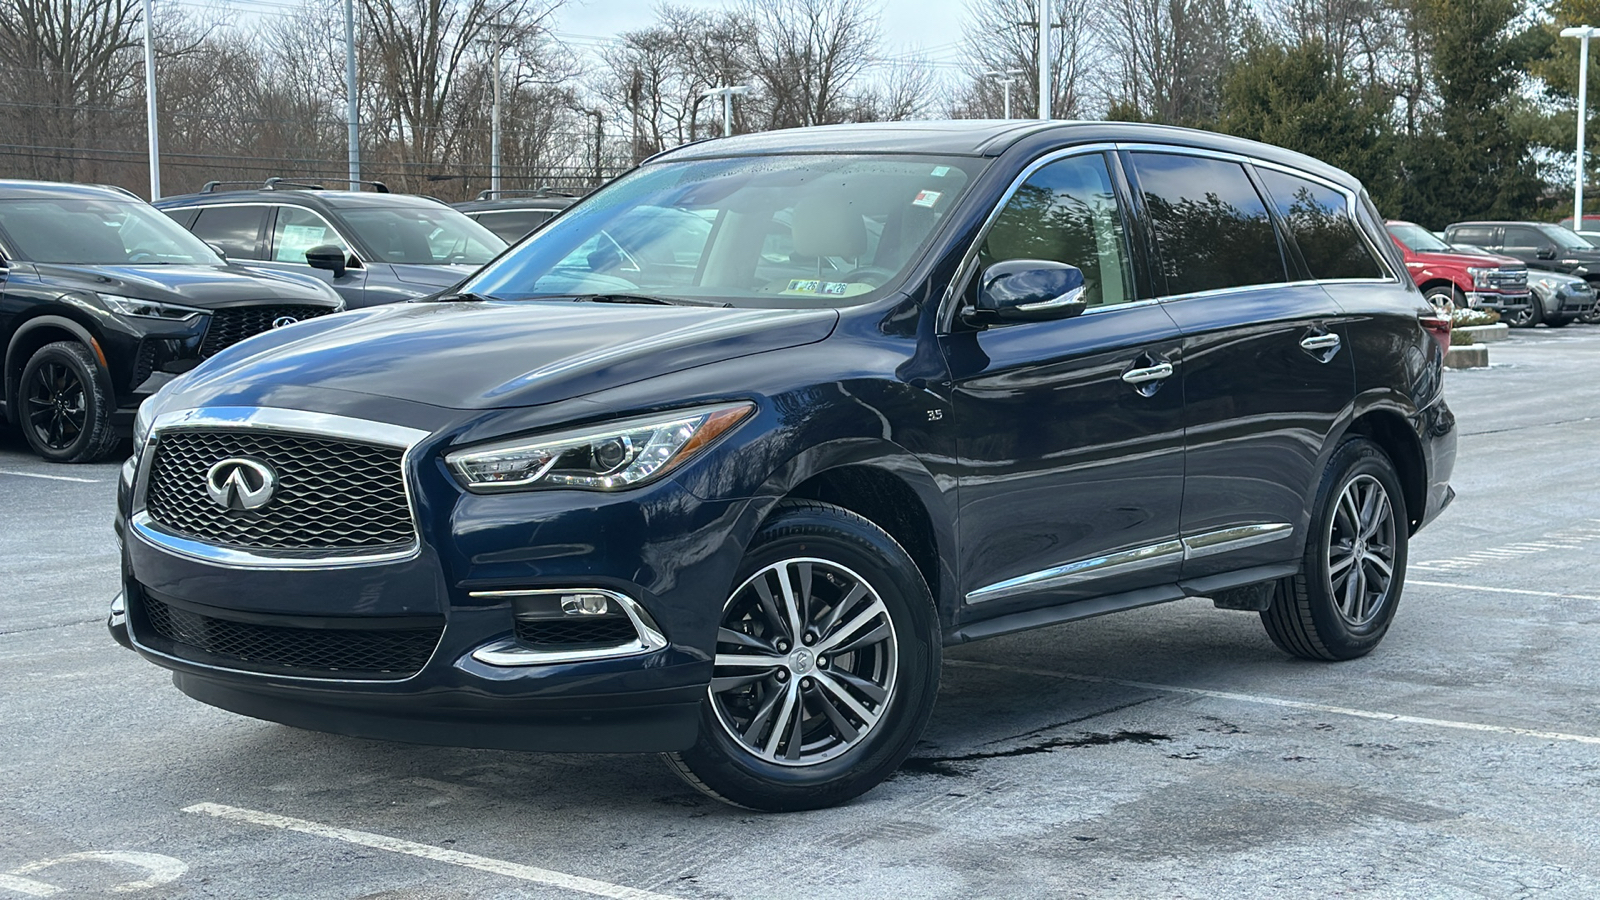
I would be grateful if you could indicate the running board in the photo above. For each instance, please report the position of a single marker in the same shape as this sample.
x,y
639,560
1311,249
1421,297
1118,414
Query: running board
x,y
1099,606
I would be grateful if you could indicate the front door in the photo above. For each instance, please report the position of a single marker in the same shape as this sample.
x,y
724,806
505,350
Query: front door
x,y
295,230
1069,432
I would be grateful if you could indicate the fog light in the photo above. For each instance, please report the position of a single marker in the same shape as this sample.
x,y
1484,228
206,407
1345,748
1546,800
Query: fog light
x,y
584,604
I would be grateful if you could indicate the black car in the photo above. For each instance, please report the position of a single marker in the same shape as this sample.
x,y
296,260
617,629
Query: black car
x,y
855,393
513,215
372,247
1539,244
103,299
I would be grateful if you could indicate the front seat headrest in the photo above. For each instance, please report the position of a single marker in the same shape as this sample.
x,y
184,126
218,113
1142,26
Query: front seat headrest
x,y
828,226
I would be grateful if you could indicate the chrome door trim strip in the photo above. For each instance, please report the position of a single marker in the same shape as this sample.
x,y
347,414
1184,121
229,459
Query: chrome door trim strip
x,y
1096,567
1122,562
508,653
1225,540
279,421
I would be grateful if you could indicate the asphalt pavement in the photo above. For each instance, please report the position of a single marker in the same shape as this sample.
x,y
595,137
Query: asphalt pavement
x,y
1168,752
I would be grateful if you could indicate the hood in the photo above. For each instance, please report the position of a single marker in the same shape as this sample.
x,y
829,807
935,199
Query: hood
x,y
435,277
204,287
1462,258
493,355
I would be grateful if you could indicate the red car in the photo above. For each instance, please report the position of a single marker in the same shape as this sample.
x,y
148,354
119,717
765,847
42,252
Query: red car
x,y
1451,277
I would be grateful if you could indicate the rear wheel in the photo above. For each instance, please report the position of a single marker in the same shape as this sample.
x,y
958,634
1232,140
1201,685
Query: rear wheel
x,y
66,413
1353,570
827,664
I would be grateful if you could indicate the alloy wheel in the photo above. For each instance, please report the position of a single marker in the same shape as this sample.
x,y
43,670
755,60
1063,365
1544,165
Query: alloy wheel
x,y
1361,551
58,405
805,662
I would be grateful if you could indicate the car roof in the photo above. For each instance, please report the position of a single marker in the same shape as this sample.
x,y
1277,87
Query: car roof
x,y
17,189
1496,222
315,198
550,203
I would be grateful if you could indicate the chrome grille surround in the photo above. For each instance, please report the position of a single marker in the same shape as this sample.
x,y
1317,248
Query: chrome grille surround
x,y
175,521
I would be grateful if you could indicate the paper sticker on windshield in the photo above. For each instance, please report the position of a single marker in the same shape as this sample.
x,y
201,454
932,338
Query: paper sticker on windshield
x,y
825,288
940,171
926,198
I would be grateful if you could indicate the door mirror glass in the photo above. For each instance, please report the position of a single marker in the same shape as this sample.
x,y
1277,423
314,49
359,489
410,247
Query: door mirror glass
x,y
1029,290
327,256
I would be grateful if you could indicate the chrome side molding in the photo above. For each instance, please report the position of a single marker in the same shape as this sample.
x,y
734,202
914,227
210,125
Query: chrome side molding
x,y
1123,562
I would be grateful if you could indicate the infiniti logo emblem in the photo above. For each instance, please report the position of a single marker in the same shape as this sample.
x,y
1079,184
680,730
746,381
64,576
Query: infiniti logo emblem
x,y
240,484
283,321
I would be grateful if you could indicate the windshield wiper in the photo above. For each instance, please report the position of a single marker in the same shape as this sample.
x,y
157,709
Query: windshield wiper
x,y
647,298
466,297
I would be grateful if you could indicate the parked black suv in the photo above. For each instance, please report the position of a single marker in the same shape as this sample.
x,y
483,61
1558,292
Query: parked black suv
x,y
513,215
1542,246
854,393
371,246
103,300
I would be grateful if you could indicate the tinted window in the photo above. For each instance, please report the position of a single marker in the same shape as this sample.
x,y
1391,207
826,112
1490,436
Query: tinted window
x,y
99,232
1417,238
1210,225
1067,212
1319,219
1476,235
423,235
236,229
513,226
1526,239
297,230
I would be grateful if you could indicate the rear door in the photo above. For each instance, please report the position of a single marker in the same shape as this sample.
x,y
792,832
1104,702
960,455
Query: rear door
x,y
238,229
1266,375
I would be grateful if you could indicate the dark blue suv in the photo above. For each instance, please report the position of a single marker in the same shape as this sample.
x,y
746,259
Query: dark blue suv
x,y
716,463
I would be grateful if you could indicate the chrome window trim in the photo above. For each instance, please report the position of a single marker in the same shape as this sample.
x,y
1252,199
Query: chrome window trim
x,y
1122,562
279,421
949,301
507,653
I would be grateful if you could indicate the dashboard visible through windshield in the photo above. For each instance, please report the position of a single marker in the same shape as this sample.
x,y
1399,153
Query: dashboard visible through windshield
x,y
781,231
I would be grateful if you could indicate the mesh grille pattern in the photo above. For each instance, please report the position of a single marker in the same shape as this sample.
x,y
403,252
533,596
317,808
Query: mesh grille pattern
x,y
230,326
342,652
575,631
144,363
331,495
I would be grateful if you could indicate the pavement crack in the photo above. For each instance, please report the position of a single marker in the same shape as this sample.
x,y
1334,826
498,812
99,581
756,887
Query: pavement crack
x,y
49,627
1523,427
948,765
1084,718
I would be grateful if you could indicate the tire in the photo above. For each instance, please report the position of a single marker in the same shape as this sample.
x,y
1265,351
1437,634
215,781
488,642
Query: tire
x,y
64,409
1592,317
1446,299
859,714
1316,614
1529,317
1559,321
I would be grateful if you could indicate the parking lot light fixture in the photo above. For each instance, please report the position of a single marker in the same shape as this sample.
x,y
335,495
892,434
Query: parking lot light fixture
x,y
1583,33
1005,77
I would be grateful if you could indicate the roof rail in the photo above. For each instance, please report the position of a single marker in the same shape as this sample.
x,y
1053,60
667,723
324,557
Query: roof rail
x,y
274,183
545,191
211,186
378,187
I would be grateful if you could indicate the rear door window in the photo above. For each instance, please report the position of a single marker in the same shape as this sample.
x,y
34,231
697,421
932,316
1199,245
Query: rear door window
x,y
1476,235
513,226
1319,218
1067,212
236,229
1210,225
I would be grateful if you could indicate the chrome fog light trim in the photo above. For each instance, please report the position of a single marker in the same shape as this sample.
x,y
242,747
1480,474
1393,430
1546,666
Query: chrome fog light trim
x,y
508,653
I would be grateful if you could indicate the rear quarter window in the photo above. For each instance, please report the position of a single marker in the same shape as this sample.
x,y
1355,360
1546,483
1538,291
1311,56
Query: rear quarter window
x,y
1319,219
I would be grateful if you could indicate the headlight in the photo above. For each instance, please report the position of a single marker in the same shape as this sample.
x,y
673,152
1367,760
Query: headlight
x,y
606,457
1480,277
147,309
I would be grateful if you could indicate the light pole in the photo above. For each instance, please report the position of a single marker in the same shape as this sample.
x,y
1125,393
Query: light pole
x,y
494,116
1584,32
727,94
150,103
352,112
1044,59
1005,77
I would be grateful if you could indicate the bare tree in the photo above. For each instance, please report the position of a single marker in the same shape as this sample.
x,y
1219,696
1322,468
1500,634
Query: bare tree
x,y
1002,36
1171,57
807,56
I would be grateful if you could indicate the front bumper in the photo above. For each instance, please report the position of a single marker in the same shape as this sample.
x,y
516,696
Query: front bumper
x,y
1499,301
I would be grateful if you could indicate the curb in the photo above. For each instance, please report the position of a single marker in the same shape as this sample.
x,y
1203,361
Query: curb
x,y
1467,356
1487,334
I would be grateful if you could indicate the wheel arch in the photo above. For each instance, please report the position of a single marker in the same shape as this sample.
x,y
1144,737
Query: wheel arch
x,y
1439,281
36,332
1390,431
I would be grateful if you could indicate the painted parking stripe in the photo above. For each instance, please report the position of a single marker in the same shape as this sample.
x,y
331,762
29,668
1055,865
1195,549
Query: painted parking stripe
x,y
429,852
1290,704
1500,590
27,886
49,477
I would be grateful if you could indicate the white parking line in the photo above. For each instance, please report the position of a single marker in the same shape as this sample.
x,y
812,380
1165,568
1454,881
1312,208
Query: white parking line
x,y
49,477
1499,590
1291,704
429,852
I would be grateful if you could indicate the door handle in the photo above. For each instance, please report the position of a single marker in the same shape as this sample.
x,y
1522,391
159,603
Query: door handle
x,y
1149,373
1320,341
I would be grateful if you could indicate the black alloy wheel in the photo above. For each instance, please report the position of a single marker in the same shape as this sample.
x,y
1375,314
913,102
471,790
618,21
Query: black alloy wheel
x,y
66,413
826,667
1341,603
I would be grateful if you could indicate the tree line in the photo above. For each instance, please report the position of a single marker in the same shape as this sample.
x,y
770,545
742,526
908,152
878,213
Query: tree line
x,y
1446,109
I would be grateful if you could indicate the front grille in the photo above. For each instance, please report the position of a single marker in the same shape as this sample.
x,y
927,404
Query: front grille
x,y
575,632
329,652
1508,279
230,326
332,496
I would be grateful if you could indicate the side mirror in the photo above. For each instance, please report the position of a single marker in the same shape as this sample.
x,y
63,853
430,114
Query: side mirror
x,y
1028,290
327,256
1546,252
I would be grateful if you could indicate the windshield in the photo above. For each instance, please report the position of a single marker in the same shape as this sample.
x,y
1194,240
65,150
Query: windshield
x,y
423,235
777,231
1418,239
100,233
1564,239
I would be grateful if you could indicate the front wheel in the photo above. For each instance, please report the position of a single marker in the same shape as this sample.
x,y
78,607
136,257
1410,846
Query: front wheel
x,y
1341,603
1446,300
827,664
1591,316
66,413
1525,316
